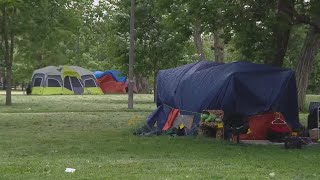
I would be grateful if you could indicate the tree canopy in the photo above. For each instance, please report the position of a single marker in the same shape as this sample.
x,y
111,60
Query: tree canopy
x,y
95,35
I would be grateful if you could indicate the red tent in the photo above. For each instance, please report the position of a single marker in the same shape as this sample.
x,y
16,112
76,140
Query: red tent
x,y
260,124
109,85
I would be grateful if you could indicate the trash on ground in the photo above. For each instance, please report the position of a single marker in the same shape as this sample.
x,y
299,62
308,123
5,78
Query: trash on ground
x,y
70,170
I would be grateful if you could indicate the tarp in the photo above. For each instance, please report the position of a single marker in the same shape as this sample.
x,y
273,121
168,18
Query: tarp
x,y
241,87
113,81
117,75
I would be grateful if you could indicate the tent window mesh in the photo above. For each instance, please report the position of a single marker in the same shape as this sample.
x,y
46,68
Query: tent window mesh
x,y
75,82
89,83
53,83
37,82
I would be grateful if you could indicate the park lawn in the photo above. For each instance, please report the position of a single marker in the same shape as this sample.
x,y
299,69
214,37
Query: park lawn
x,y
43,135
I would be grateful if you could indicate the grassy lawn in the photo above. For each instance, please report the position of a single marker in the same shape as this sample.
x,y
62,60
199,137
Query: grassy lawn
x,y
43,135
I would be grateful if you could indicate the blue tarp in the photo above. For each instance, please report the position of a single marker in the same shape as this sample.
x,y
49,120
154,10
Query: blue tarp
x,y
241,87
117,75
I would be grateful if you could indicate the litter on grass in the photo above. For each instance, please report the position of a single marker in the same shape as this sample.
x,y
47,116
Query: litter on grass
x,y
70,170
272,174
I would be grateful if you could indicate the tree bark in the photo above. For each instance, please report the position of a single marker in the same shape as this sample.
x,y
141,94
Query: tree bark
x,y
155,88
40,63
8,30
4,81
198,40
306,63
3,62
218,45
7,56
142,84
9,66
131,55
282,31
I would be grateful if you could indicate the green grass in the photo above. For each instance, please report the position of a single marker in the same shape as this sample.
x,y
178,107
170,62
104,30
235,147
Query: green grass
x,y
43,135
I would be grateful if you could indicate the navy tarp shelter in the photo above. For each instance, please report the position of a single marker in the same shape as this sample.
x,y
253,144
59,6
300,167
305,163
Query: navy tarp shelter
x,y
241,87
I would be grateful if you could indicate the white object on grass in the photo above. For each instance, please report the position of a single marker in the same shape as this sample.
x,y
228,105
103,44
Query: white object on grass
x,y
272,174
70,170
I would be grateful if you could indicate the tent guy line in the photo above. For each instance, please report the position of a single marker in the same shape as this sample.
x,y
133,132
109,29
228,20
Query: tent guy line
x,y
181,110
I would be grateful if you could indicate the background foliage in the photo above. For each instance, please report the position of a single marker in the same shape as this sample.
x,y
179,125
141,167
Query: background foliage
x,y
96,36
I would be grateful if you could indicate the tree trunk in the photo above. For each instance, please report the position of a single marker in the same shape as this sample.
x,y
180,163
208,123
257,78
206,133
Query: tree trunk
x,y
306,63
2,63
40,63
9,69
7,56
155,88
198,40
2,57
142,84
218,45
282,30
4,82
131,55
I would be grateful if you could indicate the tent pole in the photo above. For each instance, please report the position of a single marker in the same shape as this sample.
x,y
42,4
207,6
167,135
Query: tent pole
x,y
131,56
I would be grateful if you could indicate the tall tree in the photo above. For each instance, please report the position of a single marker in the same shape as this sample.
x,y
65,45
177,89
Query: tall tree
x,y
8,11
160,43
198,41
310,49
131,54
282,29
252,29
218,34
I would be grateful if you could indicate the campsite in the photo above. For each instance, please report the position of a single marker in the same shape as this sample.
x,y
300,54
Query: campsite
x,y
161,89
93,134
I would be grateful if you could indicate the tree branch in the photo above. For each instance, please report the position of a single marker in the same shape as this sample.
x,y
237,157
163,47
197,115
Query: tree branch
x,y
302,18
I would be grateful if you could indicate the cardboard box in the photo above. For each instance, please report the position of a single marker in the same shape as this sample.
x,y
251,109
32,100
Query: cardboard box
x,y
314,134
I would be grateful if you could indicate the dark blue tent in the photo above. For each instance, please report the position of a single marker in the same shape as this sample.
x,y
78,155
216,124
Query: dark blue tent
x,y
240,87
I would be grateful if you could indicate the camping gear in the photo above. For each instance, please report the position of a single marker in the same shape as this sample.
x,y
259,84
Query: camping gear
x,y
292,142
145,130
211,115
314,134
212,125
113,81
278,130
237,131
259,126
172,116
185,120
179,125
242,87
212,129
297,139
237,124
63,80
314,120
208,129
313,117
